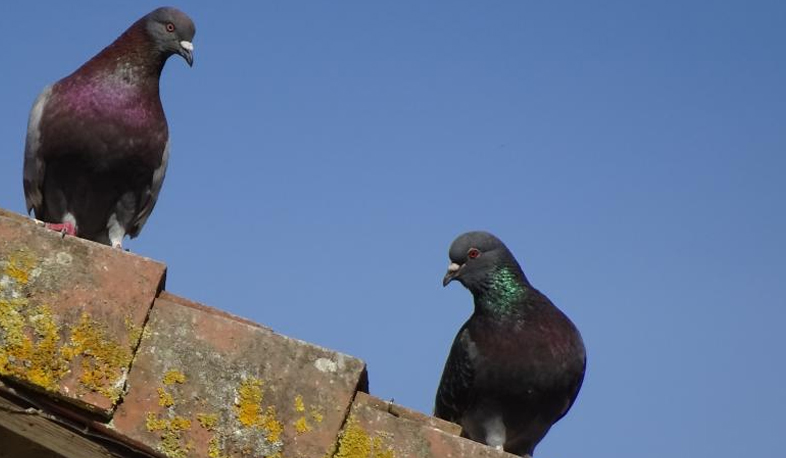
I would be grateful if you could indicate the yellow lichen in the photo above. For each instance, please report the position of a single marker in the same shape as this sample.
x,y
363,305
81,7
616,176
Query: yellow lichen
x,y
316,415
180,423
249,398
380,450
170,431
31,344
51,366
103,359
134,332
302,426
30,347
248,408
165,399
171,445
355,442
153,423
207,420
174,376
299,406
271,424
214,449
36,349
19,266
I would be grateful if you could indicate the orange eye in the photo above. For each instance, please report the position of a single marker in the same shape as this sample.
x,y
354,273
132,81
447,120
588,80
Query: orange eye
x,y
170,27
473,253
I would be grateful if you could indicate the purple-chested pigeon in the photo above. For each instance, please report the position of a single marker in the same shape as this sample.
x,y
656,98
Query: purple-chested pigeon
x,y
97,140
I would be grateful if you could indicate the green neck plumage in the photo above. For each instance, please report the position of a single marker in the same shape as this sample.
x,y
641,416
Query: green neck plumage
x,y
503,293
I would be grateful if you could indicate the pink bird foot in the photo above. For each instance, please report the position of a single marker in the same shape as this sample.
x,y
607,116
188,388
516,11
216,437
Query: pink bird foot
x,y
64,228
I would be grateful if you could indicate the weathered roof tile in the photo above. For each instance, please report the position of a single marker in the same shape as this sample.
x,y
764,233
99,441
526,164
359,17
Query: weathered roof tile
x,y
71,312
207,382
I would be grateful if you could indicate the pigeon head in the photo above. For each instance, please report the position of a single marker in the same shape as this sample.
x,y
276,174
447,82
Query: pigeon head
x,y
475,257
172,32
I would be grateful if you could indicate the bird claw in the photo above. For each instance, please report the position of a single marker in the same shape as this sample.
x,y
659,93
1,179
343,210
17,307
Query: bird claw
x,y
63,228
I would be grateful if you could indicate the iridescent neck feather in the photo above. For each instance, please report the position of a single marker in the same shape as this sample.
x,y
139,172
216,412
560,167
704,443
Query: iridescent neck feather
x,y
502,293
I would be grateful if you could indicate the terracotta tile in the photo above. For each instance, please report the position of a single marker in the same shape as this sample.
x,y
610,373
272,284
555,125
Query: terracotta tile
x,y
408,414
205,383
71,312
14,216
372,431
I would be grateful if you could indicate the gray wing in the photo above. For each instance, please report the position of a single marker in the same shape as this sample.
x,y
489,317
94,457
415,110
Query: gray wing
x,y
455,389
34,167
152,195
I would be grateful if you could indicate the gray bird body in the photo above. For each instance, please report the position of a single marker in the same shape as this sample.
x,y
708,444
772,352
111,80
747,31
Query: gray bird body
x,y
517,364
97,142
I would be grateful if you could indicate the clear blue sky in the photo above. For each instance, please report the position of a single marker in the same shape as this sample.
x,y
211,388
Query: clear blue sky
x,y
325,154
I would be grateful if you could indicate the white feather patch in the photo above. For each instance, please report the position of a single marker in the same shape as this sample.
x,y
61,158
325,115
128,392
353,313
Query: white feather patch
x,y
69,218
33,132
495,432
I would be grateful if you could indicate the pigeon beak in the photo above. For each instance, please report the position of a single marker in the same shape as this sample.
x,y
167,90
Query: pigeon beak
x,y
187,51
453,271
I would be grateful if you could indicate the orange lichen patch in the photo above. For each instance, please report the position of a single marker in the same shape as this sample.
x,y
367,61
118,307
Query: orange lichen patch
x,y
104,361
170,432
174,376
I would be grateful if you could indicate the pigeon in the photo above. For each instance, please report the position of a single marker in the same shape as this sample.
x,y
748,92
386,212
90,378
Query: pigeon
x,y
97,140
517,364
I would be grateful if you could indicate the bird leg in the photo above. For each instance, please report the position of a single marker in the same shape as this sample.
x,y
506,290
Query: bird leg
x,y
115,232
63,228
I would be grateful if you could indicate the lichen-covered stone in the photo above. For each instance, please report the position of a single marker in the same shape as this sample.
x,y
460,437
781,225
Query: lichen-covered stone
x,y
246,390
71,312
375,430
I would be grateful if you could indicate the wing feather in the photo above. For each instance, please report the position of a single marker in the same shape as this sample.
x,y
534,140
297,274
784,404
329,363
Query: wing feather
x,y
458,377
34,166
151,197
